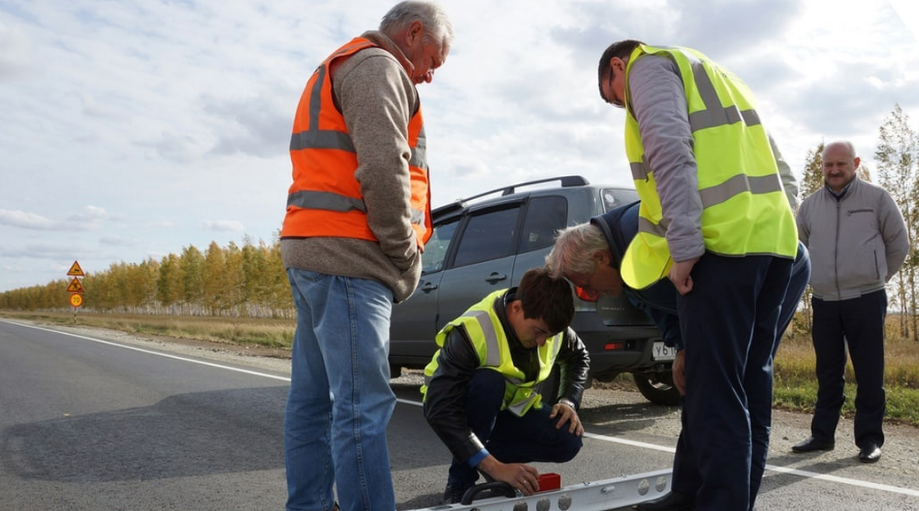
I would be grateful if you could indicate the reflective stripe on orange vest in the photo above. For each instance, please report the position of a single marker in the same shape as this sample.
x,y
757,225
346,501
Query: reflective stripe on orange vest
x,y
325,198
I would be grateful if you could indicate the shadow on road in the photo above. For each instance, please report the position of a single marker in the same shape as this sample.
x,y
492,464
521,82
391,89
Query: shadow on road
x,y
616,419
202,433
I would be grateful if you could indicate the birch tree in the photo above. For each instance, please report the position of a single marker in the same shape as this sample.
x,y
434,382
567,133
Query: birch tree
x,y
896,157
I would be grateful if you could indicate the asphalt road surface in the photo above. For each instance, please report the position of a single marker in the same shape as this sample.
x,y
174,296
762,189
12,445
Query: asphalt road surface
x,y
99,420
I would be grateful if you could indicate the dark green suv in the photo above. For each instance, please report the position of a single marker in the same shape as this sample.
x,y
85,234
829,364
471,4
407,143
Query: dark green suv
x,y
486,242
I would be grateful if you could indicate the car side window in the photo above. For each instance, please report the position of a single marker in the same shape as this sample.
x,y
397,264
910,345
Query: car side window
x,y
615,197
435,250
545,216
488,236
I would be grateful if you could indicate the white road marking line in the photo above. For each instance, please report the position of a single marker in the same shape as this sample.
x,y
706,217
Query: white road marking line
x,y
643,445
151,352
785,470
844,480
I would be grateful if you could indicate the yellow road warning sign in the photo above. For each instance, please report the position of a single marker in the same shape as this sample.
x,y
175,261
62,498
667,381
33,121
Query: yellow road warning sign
x,y
75,286
76,300
75,270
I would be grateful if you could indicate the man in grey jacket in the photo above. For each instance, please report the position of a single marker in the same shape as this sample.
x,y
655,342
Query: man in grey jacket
x,y
856,231
358,214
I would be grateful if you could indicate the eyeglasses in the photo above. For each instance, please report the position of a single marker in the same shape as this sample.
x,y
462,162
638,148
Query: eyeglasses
x,y
609,96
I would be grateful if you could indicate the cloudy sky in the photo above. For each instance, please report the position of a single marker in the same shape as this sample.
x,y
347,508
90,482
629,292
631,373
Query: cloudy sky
x,y
130,129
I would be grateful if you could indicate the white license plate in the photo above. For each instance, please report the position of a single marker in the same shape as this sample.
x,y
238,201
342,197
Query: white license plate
x,y
662,352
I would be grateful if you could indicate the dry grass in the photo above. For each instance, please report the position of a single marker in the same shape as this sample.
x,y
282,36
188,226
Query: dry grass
x,y
796,385
241,331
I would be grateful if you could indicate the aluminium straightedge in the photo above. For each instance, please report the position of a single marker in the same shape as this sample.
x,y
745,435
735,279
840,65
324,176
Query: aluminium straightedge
x,y
602,495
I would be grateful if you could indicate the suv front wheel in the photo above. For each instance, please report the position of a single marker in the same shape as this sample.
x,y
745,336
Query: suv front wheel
x,y
657,388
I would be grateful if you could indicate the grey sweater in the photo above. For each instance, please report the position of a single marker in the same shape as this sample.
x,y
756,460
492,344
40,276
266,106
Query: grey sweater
x,y
857,243
377,98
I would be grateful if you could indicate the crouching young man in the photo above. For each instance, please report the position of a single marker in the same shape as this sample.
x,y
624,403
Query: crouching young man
x,y
482,387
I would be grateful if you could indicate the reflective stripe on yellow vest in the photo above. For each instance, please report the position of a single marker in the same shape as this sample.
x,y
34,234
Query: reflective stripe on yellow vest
x,y
745,211
325,198
483,326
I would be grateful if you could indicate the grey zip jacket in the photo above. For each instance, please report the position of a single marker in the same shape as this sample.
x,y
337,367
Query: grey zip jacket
x,y
857,243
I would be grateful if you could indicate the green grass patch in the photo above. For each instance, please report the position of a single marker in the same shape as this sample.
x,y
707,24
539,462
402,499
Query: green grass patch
x,y
796,382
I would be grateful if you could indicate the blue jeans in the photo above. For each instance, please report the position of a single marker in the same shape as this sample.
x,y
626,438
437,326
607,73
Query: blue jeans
x,y
509,438
340,401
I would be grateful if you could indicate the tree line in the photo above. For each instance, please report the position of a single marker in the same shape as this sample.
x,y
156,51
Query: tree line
x,y
250,280
247,281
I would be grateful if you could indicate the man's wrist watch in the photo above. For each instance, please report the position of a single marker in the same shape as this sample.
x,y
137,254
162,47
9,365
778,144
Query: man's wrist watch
x,y
567,402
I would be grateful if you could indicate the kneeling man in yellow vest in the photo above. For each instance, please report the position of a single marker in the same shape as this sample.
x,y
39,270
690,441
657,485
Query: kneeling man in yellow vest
x,y
482,388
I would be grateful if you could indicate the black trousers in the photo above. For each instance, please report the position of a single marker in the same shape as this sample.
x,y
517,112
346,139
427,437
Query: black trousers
x,y
686,476
509,438
728,323
858,322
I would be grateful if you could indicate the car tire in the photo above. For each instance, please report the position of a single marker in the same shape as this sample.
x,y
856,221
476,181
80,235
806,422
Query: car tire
x,y
659,391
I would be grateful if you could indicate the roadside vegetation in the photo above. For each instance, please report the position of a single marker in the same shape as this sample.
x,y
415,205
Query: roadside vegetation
x,y
271,333
796,383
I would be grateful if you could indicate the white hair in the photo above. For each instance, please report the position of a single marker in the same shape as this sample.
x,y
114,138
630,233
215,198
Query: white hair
x,y
430,14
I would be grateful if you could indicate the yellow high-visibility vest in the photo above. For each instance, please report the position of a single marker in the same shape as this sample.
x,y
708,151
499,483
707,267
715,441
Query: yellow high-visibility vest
x,y
483,326
745,211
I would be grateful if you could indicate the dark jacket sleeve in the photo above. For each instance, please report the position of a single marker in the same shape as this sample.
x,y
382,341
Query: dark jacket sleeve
x,y
659,304
445,401
574,364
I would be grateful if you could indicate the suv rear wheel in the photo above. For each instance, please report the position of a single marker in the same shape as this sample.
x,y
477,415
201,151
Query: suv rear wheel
x,y
657,388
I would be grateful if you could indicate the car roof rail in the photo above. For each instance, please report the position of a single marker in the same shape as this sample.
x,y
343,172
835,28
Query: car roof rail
x,y
566,181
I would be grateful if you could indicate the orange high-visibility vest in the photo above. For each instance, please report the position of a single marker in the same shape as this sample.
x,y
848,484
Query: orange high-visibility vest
x,y
325,198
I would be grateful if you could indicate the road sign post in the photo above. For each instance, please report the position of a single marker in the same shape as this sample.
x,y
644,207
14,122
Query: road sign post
x,y
76,288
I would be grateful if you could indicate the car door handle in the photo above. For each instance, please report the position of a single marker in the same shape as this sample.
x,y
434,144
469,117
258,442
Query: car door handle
x,y
428,287
495,277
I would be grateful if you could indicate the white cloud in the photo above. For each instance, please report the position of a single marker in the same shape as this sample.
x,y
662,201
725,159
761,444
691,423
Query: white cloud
x,y
25,220
85,220
143,133
909,14
118,241
257,126
223,225
94,108
14,52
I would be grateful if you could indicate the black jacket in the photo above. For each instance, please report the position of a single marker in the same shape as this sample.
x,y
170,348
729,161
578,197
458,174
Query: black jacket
x,y
444,405
658,301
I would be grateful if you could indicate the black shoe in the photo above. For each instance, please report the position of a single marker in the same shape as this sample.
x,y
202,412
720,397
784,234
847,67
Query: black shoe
x,y
870,453
454,495
812,444
672,501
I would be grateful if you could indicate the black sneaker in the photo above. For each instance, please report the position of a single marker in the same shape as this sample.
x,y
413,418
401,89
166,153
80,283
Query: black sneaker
x,y
454,495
